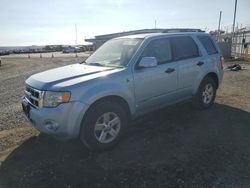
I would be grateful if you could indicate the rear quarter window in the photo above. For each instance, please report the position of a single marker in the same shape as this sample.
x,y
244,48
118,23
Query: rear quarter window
x,y
208,44
184,47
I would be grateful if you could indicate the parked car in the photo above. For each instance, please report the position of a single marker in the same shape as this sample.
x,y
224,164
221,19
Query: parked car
x,y
69,50
123,79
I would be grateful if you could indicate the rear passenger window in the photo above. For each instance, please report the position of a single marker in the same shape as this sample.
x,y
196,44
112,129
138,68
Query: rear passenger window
x,y
160,49
184,47
208,44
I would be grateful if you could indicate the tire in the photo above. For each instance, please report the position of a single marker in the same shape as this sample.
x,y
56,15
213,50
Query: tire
x,y
104,125
205,96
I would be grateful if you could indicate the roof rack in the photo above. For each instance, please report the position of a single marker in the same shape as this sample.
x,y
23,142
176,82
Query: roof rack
x,y
181,30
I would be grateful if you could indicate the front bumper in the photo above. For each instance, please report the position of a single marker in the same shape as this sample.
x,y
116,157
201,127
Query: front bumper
x,y
63,121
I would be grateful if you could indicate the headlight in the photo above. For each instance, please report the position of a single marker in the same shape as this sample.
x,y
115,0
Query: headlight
x,y
53,99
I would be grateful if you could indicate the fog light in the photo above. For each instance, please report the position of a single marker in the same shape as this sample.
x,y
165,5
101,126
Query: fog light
x,y
51,125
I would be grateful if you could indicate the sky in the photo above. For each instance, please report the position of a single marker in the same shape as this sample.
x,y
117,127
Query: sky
x,y
44,22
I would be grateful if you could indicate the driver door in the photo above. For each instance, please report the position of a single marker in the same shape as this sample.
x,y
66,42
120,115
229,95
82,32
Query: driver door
x,y
156,86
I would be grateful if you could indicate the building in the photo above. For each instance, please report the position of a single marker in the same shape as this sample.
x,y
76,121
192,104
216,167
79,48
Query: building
x,y
101,39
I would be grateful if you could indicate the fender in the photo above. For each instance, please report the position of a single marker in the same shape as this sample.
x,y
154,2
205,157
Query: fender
x,y
202,74
103,90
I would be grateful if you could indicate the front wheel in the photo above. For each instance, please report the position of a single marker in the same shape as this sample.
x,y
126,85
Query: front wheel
x,y
104,125
205,96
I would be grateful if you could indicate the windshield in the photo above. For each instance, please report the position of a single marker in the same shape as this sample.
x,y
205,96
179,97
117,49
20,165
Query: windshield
x,y
114,53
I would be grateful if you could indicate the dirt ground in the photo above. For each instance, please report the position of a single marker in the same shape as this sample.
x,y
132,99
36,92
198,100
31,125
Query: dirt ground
x,y
173,147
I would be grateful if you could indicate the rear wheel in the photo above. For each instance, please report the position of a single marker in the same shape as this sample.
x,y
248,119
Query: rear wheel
x,y
206,93
104,125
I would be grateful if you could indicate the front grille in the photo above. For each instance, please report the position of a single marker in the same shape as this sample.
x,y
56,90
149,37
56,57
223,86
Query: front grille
x,y
34,96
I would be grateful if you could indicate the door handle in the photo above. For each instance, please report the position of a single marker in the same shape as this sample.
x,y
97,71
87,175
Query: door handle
x,y
169,70
200,63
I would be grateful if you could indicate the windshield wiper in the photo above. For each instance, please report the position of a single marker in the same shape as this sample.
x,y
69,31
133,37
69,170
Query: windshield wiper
x,y
96,64
83,62
100,65
93,64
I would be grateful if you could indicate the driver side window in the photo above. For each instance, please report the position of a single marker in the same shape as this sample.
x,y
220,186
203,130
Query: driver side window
x,y
160,49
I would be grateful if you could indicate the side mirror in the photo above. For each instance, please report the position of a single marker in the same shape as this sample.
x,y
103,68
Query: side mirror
x,y
147,62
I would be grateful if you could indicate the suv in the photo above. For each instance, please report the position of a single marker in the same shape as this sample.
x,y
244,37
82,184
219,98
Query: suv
x,y
126,77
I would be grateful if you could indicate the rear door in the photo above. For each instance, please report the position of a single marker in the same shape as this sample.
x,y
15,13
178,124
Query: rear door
x,y
187,54
156,86
210,48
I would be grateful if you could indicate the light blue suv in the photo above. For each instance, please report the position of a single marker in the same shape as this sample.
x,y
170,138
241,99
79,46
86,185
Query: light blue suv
x,y
126,77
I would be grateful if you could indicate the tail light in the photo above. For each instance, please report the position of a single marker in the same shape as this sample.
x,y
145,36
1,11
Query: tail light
x,y
222,61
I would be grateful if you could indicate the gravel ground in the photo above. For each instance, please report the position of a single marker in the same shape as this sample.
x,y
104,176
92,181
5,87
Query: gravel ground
x,y
13,73
173,147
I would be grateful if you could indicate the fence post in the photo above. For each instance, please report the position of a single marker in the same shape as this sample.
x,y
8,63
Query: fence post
x,y
245,52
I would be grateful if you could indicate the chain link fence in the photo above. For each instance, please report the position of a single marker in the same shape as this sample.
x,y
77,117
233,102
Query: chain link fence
x,y
234,45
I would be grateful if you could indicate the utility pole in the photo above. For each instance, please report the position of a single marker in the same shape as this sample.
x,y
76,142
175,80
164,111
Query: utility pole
x,y
76,33
155,24
235,10
218,36
233,42
76,39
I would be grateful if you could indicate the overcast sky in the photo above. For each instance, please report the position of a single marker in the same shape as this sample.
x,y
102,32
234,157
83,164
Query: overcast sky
x,y
40,22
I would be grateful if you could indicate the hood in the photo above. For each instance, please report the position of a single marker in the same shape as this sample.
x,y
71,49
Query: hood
x,y
68,74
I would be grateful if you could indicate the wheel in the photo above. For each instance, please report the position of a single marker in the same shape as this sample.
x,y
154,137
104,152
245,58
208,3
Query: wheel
x,y
104,125
204,98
